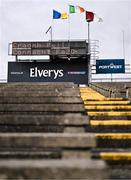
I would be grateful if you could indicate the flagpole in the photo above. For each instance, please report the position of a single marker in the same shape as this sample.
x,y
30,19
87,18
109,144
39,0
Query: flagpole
x,y
69,28
68,25
88,37
123,42
89,55
51,33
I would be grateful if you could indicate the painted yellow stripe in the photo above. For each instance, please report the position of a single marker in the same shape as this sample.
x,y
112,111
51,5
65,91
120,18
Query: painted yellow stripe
x,y
87,98
106,102
110,122
88,92
115,156
116,136
114,99
109,113
90,98
116,107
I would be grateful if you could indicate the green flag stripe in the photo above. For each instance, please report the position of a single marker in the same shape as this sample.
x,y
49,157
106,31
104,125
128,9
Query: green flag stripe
x,y
71,9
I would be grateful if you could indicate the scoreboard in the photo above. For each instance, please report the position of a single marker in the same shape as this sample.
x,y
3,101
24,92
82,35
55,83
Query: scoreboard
x,y
49,48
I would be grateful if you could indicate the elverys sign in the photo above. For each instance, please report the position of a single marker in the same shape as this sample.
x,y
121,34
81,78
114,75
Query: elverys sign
x,y
76,72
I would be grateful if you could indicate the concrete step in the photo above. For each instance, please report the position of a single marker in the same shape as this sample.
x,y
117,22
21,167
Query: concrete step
x,y
117,156
104,102
70,93
40,100
78,108
113,157
39,89
113,140
109,113
67,119
108,129
45,140
106,117
40,84
54,169
109,126
40,123
44,153
108,107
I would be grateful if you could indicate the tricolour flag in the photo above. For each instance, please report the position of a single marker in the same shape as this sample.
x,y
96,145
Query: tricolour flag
x,y
75,9
89,16
56,14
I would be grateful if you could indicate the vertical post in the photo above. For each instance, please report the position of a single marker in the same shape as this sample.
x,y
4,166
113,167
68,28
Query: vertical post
x,y
52,30
89,55
111,77
69,27
123,42
88,38
51,34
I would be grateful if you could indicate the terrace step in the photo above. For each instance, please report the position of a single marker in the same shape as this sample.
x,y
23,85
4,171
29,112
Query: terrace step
x,y
53,169
41,100
79,108
42,140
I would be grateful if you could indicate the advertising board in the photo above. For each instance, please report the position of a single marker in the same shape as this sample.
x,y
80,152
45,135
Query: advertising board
x,y
69,71
110,66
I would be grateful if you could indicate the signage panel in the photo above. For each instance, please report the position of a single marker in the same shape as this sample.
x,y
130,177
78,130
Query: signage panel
x,y
110,66
69,71
49,48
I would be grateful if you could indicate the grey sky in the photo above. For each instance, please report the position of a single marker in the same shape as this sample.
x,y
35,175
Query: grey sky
x,y
29,19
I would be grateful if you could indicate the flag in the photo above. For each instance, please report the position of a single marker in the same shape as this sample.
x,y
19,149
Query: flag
x,y
48,29
56,14
89,16
64,15
72,9
75,9
80,9
97,18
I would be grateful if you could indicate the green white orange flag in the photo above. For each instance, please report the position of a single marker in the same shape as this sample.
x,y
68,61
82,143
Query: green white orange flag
x,y
76,9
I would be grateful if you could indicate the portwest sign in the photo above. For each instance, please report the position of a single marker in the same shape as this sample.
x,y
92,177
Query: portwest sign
x,y
48,72
110,66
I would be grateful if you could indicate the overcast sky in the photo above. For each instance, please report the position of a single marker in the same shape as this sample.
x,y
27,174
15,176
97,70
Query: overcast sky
x,y
27,20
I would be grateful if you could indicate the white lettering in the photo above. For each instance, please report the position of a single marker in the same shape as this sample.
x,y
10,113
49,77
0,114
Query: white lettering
x,y
61,73
35,72
32,72
111,66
